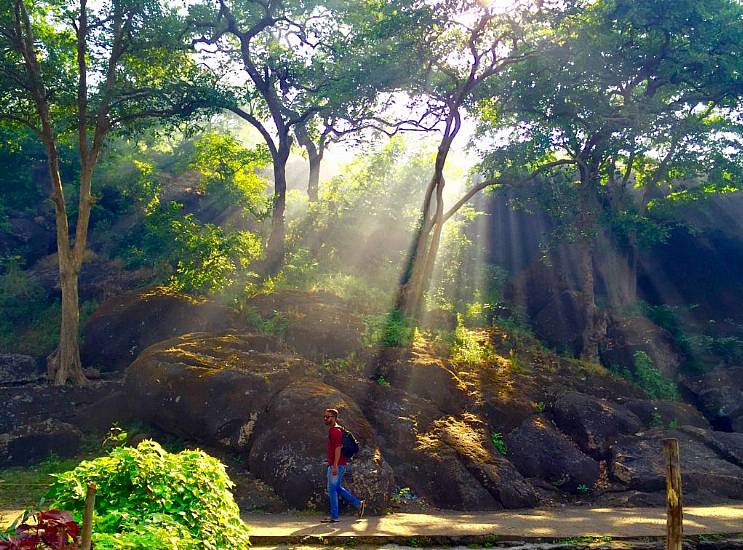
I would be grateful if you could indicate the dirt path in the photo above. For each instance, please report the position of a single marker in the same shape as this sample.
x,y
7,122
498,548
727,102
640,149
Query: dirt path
x,y
550,523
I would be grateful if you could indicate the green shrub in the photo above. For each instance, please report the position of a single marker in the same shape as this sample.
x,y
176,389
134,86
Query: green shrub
x,y
497,439
276,324
651,380
195,258
390,330
149,498
468,348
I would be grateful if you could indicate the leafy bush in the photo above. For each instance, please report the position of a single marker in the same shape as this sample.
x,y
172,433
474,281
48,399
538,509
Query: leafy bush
x,y
496,439
651,380
390,330
199,258
229,172
275,324
468,347
149,498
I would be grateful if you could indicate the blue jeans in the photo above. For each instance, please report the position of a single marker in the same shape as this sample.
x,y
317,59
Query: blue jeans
x,y
336,488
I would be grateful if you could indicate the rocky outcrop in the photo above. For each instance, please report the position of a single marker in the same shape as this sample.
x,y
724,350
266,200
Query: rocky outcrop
x,y
727,445
34,442
211,387
454,463
639,463
124,326
719,395
34,403
19,369
318,325
245,393
540,450
629,335
663,413
100,278
594,424
289,447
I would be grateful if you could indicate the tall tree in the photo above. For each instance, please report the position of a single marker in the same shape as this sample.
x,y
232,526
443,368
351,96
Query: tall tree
x,y
468,44
631,99
304,62
361,88
281,46
71,71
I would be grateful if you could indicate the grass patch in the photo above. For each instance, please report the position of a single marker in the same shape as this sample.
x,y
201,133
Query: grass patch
x,y
25,487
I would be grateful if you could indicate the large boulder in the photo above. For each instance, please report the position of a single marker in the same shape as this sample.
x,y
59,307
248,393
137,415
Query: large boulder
x,y
463,440
289,447
593,423
34,237
666,413
726,444
211,387
19,369
561,320
34,442
540,450
719,395
638,462
318,325
629,335
33,403
124,326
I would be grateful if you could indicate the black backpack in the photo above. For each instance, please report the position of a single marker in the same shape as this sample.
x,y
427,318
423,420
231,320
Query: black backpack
x,y
349,445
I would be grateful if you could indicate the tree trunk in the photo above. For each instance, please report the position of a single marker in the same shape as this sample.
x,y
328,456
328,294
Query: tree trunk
x,y
314,154
422,256
276,240
591,332
65,364
313,183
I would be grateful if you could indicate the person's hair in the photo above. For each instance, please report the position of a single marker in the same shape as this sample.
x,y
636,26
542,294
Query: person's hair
x,y
334,412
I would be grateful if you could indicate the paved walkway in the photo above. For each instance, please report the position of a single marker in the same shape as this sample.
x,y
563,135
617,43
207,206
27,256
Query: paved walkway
x,y
549,523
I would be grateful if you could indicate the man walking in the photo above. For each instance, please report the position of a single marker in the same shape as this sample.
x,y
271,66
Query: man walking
x,y
337,465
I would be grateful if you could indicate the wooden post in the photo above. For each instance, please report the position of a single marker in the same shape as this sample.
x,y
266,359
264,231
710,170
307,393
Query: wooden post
x,y
674,504
85,539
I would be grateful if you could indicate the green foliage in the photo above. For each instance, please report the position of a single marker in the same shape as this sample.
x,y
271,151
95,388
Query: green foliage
x,y
468,347
229,172
464,283
390,330
539,406
200,258
20,293
382,381
149,498
631,116
497,439
695,346
30,320
651,380
583,489
275,324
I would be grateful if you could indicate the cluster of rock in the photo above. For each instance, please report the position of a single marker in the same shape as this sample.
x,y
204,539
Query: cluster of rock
x,y
484,437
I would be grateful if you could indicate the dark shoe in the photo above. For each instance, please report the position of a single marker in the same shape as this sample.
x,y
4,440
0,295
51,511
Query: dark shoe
x,y
362,507
329,520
